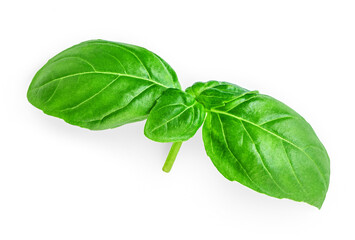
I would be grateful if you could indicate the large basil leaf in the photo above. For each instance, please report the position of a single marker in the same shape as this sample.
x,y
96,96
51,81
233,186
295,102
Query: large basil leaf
x,y
99,84
265,145
175,117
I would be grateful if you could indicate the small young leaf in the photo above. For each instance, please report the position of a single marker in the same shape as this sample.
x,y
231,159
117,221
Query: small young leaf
x,y
215,94
175,117
265,145
99,84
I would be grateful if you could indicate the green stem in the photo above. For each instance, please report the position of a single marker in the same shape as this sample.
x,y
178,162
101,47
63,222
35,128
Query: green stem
x,y
171,156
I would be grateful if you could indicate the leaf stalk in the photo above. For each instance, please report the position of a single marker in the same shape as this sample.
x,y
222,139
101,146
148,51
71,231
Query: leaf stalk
x,y
171,156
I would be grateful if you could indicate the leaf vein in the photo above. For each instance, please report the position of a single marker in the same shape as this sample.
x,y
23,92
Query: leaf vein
x,y
119,62
276,119
55,90
127,50
262,160
293,170
237,160
91,97
121,108
159,126
80,58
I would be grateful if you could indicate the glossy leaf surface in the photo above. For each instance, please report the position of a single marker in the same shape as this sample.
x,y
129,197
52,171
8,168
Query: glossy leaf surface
x,y
175,117
99,84
265,145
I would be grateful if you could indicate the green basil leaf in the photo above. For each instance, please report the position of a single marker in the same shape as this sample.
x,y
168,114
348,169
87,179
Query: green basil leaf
x,y
99,84
265,145
175,117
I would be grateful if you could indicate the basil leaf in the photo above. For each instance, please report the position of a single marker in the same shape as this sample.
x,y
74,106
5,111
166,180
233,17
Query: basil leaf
x,y
265,145
175,117
99,84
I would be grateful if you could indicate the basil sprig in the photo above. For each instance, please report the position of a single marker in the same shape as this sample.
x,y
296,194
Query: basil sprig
x,y
250,137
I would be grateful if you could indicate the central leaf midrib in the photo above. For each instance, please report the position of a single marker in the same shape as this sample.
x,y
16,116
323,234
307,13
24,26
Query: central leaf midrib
x,y
100,72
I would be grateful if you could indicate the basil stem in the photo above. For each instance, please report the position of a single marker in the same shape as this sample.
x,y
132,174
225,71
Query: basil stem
x,y
171,156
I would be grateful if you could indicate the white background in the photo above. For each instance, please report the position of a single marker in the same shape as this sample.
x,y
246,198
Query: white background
x,y
59,181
